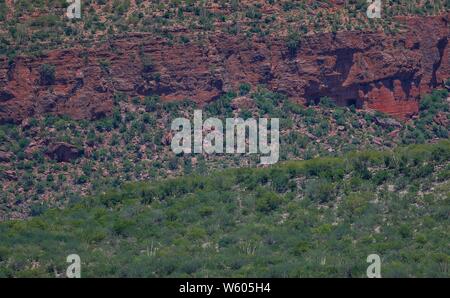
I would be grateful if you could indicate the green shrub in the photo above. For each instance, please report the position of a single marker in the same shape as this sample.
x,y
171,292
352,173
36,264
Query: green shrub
x,y
244,88
267,201
327,102
47,74
319,190
147,63
293,42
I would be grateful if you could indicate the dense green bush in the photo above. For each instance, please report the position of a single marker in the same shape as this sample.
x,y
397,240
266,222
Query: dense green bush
x,y
267,201
47,74
293,42
235,224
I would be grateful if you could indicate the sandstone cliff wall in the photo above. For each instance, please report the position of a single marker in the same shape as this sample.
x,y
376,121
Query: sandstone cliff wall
x,y
372,70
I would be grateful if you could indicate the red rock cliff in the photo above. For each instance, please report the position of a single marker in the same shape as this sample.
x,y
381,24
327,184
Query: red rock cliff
x,y
372,70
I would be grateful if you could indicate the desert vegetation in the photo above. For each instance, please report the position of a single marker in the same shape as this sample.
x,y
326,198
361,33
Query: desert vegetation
x,y
86,164
315,218
134,143
33,27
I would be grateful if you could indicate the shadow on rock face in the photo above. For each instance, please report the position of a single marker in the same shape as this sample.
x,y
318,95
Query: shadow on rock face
x,y
63,152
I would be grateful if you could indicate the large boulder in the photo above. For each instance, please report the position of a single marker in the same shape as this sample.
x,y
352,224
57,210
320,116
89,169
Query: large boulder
x,y
387,122
63,152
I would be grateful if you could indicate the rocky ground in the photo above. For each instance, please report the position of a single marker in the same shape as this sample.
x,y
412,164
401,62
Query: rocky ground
x,y
51,161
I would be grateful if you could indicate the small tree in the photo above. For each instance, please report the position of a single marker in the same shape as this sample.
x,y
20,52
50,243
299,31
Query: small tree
x,y
244,88
147,63
327,102
47,74
267,201
293,42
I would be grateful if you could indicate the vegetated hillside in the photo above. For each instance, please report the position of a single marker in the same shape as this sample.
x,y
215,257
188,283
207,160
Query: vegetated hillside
x,y
314,218
86,107
36,26
47,162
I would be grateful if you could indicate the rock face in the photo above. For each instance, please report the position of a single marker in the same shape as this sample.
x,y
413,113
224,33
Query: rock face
x,y
373,70
9,175
5,156
63,152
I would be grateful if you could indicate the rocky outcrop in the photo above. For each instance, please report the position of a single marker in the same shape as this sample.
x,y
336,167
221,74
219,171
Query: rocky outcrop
x,y
63,152
5,156
373,70
9,175
243,102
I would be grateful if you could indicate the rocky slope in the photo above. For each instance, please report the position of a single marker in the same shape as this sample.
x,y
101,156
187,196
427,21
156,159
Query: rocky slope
x,y
372,70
